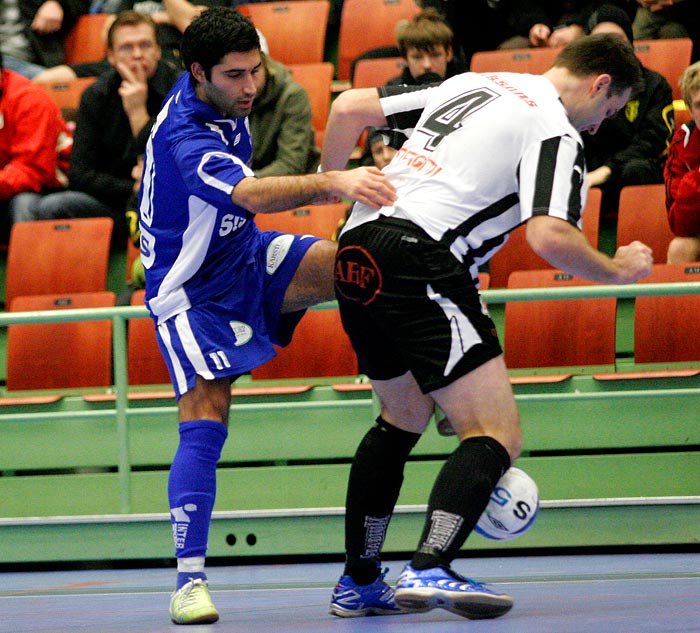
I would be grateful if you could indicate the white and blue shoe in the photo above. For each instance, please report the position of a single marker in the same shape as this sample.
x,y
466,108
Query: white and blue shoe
x,y
350,600
441,588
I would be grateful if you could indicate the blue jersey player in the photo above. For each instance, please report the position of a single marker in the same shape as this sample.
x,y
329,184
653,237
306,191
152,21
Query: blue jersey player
x,y
221,291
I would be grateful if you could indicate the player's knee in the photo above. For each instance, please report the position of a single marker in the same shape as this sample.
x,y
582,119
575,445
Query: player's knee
x,y
208,400
510,437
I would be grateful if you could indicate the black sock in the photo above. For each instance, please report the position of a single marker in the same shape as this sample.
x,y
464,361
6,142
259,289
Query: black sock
x,y
459,496
375,481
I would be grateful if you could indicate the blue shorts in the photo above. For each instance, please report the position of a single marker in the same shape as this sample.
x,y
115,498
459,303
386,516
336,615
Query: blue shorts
x,y
233,335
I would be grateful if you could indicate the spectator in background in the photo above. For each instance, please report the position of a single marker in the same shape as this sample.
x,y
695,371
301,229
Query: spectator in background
x,y
377,150
682,176
32,32
630,147
554,23
167,31
168,39
426,45
666,19
280,124
35,145
112,112
483,29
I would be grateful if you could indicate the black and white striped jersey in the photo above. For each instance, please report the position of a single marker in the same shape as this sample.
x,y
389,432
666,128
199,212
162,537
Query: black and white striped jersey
x,y
486,152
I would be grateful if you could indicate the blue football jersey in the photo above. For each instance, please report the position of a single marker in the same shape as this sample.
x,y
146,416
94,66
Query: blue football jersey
x,y
194,239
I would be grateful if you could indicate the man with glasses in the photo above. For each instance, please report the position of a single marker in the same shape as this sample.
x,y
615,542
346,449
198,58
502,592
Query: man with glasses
x,y
119,107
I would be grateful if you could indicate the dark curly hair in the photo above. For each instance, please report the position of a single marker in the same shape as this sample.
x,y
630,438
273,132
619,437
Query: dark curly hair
x,y
215,33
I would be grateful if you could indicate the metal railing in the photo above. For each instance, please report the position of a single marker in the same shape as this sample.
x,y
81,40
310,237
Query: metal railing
x,y
120,315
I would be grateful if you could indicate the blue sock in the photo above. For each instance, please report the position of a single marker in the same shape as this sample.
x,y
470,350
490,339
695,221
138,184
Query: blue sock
x,y
184,577
192,487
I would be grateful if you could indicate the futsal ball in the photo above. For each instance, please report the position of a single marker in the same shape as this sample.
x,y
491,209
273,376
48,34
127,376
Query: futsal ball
x,y
512,508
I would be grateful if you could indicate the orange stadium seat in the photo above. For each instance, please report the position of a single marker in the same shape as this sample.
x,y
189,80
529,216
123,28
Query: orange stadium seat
x,y
145,365
668,57
67,94
316,80
57,256
579,332
369,24
87,40
320,347
665,330
60,355
520,60
315,219
376,72
642,216
295,31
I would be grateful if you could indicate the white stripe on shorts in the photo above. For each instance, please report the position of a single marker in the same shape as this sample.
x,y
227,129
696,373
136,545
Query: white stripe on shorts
x,y
464,336
180,378
192,349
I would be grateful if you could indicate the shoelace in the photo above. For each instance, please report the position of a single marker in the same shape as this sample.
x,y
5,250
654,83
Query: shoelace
x,y
190,593
383,574
470,581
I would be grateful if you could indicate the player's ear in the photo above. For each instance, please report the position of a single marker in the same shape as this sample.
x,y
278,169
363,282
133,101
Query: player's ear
x,y
601,84
198,72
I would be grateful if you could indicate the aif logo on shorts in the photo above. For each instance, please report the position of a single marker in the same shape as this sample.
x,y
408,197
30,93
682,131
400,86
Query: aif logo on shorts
x,y
276,252
357,276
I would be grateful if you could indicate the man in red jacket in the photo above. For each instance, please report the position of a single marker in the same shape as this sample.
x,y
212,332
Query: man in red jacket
x,y
35,144
682,176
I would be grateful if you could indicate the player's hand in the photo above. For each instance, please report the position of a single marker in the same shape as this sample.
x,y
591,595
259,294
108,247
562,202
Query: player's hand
x,y
48,18
633,262
365,184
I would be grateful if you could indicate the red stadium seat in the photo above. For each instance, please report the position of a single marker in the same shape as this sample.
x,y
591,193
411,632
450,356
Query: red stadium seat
x,y
579,332
369,24
320,347
642,216
60,355
295,31
58,256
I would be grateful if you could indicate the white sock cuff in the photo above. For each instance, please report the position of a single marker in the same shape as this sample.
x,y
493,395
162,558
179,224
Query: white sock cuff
x,y
189,565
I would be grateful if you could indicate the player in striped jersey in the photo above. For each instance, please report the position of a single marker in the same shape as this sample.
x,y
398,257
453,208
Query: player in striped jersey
x,y
221,291
486,153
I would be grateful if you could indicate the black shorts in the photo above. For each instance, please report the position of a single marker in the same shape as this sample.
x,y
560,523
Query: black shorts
x,y
408,304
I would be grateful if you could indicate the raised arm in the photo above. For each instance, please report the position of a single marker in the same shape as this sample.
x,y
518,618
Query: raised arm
x,y
351,112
